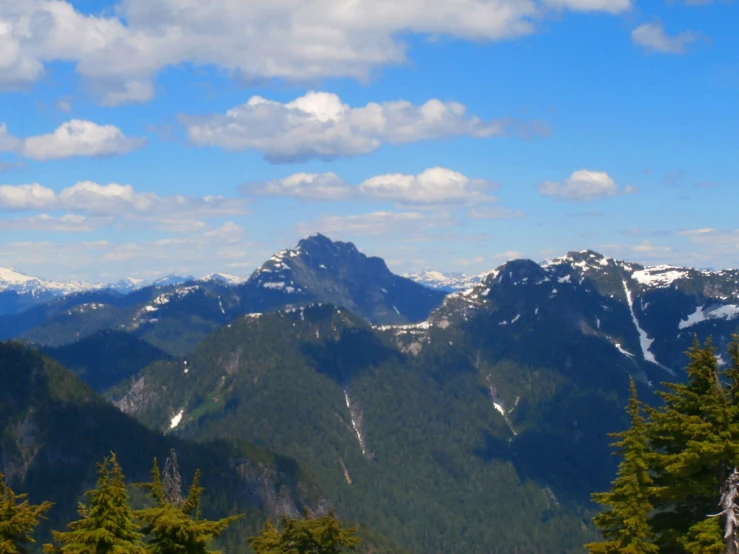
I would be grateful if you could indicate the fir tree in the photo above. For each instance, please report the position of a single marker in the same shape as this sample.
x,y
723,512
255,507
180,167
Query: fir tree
x,y
173,524
106,524
320,535
624,525
18,519
695,436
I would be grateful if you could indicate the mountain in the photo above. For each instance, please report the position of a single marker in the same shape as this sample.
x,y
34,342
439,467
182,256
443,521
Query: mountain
x,y
106,358
172,280
175,317
449,282
407,440
321,270
54,429
224,278
487,422
19,291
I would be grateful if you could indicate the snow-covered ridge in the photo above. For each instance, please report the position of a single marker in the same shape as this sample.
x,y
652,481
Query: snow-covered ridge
x,y
13,280
445,281
22,283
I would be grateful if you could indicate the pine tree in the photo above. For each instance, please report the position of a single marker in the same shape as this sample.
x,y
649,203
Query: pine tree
x,y
319,535
624,525
106,524
173,524
695,436
18,519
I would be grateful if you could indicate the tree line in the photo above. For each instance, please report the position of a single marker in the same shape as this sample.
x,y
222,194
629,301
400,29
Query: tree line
x,y
107,524
677,486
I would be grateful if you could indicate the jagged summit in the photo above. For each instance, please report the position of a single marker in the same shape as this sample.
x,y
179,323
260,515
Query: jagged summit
x,y
319,269
318,240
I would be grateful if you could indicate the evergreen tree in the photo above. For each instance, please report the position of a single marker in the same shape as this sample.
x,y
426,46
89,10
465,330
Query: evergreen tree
x,y
624,525
18,519
106,524
174,524
320,535
695,437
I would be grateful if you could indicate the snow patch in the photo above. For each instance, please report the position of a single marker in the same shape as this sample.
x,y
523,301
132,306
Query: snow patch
x,y
727,311
644,341
175,421
659,275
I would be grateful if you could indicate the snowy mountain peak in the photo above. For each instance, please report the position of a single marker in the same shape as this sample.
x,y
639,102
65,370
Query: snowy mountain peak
x,y
449,282
226,278
13,280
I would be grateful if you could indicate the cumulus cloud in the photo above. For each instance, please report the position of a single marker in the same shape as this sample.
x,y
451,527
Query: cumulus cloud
x,y
76,137
79,138
304,186
436,185
584,185
119,55
653,37
115,202
26,197
319,125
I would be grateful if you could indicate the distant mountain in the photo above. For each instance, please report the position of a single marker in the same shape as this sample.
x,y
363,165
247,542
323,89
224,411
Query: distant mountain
x,y
224,278
175,317
172,280
321,270
449,282
648,313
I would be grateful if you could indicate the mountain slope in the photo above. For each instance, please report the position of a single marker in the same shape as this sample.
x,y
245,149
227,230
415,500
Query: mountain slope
x,y
406,443
106,358
53,431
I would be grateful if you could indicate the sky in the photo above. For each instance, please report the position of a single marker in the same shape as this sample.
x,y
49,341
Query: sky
x,y
148,137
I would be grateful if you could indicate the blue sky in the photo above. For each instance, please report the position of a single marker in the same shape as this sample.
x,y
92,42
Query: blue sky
x,y
156,136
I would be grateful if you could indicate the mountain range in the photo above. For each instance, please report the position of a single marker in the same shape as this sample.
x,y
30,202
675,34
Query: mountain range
x,y
464,421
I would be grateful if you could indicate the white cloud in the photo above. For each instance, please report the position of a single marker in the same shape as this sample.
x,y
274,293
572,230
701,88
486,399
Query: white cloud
x,y
652,36
79,138
305,186
121,203
86,196
584,185
436,185
68,223
8,143
26,197
120,55
319,125
399,225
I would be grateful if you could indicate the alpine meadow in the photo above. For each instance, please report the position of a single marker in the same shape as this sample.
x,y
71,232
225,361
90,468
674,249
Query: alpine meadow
x,y
380,277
